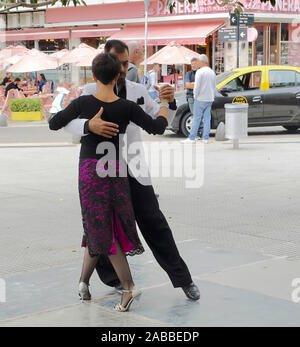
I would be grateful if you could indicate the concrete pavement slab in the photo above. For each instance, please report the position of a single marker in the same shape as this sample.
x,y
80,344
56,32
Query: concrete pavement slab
x,y
271,277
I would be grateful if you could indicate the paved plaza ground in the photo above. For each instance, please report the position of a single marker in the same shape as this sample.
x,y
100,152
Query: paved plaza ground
x,y
239,233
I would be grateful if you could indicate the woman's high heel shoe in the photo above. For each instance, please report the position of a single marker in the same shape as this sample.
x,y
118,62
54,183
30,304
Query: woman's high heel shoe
x,y
83,291
135,293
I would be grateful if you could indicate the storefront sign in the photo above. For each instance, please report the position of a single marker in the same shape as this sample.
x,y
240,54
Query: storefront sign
x,y
164,70
131,10
210,6
180,80
230,35
244,19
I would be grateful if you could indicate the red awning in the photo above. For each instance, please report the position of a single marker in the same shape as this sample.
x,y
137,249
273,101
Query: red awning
x,y
94,32
56,33
161,34
36,34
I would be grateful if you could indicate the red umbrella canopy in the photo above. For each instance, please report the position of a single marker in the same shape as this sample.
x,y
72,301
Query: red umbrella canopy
x,y
77,54
173,53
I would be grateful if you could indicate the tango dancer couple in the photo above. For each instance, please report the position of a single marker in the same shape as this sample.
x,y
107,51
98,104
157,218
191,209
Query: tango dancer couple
x,y
112,204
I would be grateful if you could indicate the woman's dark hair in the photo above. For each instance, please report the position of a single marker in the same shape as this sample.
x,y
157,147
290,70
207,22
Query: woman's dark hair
x,y
118,46
105,67
43,77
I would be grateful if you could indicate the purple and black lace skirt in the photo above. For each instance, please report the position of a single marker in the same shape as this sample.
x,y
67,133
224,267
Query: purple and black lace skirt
x,y
107,212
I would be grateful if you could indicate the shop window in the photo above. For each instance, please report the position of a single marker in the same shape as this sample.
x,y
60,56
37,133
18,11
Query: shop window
x,y
273,44
290,45
52,45
28,44
219,56
284,32
250,54
94,42
282,78
259,46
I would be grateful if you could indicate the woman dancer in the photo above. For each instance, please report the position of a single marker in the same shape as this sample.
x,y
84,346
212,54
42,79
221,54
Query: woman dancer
x,y
107,212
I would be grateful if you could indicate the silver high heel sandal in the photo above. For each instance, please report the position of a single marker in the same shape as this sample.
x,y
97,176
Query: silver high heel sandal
x,y
83,291
135,293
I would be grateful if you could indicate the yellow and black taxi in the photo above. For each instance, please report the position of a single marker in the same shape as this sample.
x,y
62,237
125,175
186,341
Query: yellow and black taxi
x,y
272,92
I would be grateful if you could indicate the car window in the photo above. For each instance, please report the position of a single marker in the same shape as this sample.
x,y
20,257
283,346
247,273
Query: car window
x,y
248,81
254,80
282,78
297,78
236,85
223,76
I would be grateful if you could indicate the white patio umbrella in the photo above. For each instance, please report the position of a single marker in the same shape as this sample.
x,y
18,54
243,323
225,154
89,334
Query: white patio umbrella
x,y
11,51
34,60
77,54
13,59
59,54
87,60
173,54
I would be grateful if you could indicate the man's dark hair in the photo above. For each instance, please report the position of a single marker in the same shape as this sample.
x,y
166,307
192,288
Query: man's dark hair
x,y
118,46
105,67
17,79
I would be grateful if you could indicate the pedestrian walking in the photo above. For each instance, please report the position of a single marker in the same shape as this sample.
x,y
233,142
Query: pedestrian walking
x,y
151,221
190,81
136,56
107,211
153,80
204,93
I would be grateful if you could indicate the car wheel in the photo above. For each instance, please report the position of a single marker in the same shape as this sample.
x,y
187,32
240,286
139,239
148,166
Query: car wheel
x,y
292,128
186,124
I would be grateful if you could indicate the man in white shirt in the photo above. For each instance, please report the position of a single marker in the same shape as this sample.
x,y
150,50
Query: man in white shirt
x,y
153,79
204,94
151,221
136,56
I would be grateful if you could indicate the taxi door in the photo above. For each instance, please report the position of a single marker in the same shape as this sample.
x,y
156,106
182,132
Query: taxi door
x,y
282,99
245,88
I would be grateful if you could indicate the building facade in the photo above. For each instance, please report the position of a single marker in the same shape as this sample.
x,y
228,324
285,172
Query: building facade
x,y
193,25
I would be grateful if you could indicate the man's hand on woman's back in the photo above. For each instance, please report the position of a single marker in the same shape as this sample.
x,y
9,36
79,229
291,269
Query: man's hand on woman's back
x,y
100,127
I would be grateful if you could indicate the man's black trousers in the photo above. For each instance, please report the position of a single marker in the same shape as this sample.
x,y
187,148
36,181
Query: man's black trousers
x,y
157,234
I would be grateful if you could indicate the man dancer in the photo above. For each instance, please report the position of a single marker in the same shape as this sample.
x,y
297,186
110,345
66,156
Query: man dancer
x,y
151,221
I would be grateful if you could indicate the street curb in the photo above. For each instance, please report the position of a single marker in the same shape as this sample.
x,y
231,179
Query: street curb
x,y
41,144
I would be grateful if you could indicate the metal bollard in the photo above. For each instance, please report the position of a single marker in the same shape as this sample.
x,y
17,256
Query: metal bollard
x,y
236,122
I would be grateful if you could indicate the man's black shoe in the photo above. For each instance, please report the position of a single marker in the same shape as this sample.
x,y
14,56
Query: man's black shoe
x,y
192,291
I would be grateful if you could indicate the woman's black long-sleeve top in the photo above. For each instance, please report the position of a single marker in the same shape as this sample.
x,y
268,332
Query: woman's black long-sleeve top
x,y
120,112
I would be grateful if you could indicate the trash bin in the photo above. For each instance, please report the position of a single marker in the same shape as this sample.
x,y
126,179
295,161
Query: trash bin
x,y
236,122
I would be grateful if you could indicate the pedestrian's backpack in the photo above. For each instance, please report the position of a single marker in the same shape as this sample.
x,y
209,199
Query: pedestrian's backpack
x,y
146,79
